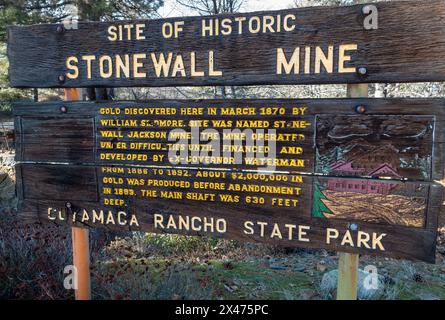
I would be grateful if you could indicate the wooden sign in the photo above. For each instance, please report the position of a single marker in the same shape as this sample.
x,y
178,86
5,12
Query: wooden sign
x,y
354,175
392,42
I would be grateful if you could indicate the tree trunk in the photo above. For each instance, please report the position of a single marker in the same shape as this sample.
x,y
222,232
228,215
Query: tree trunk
x,y
35,93
380,90
223,92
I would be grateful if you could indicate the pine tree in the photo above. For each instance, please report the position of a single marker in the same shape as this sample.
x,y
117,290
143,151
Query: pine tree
x,y
319,210
25,12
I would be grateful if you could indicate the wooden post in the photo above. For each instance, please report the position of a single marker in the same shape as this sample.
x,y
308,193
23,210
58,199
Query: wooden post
x,y
81,248
81,260
347,276
348,262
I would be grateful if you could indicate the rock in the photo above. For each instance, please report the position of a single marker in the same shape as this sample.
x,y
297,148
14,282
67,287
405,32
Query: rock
x,y
308,295
321,267
276,267
427,296
230,288
299,268
328,286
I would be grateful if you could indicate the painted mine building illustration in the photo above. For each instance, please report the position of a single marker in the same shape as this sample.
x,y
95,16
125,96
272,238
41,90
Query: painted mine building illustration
x,y
374,146
374,162
363,159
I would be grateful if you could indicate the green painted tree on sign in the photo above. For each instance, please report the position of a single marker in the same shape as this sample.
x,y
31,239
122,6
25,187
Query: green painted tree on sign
x,y
319,210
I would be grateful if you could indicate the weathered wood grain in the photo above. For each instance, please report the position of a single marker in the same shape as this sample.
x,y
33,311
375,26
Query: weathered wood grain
x,y
64,140
407,46
82,145
60,168
64,206
391,146
59,183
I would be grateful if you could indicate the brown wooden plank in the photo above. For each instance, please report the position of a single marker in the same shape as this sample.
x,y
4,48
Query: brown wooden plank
x,y
391,146
49,135
340,106
231,220
406,207
407,46
59,183
57,139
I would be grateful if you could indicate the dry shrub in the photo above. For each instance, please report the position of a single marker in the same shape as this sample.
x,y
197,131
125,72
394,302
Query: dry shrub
x,y
123,281
8,199
32,259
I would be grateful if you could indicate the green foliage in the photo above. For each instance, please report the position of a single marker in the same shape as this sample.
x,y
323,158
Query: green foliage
x,y
172,243
172,279
117,9
409,290
19,12
7,94
26,12
146,279
249,280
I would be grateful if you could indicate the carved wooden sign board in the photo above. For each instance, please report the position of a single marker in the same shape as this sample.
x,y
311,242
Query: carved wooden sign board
x,y
342,180
307,45
353,175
